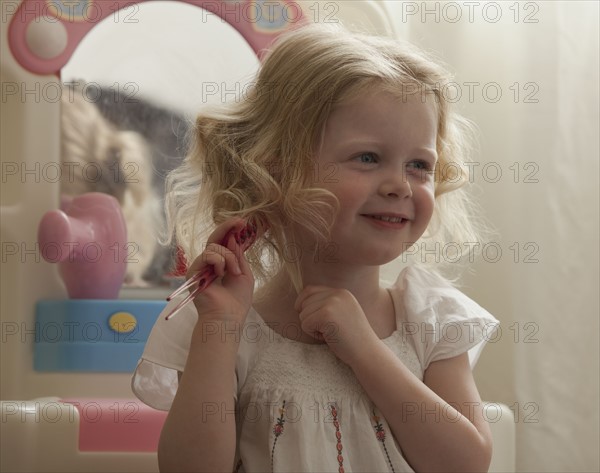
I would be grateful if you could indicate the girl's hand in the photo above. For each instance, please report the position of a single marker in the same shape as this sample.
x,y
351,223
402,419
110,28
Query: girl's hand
x,y
229,297
335,316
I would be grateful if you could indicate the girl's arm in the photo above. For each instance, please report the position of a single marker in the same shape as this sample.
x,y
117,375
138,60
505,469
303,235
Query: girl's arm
x,y
439,422
199,433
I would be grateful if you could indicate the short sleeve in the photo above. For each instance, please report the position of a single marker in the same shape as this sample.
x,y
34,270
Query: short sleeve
x,y
442,321
155,378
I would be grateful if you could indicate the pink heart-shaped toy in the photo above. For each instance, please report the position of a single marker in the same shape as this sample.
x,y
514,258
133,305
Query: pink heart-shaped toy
x,y
88,240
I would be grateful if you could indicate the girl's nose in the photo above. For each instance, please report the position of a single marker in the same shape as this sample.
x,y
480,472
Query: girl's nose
x,y
396,185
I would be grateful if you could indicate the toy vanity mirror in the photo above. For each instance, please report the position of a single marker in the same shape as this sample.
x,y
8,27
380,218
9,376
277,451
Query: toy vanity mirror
x,y
132,77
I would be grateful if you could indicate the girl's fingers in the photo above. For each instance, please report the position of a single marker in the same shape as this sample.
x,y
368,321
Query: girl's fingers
x,y
240,259
214,242
310,292
221,258
309,309
222,230
228,259
217,261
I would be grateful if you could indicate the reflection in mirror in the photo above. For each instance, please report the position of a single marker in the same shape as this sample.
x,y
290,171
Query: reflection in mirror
x,y
129,98
124,148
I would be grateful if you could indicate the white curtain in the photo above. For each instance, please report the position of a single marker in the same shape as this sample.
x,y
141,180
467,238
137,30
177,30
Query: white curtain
x,y
542,135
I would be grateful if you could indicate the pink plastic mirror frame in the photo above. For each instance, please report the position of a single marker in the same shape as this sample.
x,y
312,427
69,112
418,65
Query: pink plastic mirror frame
x,y
258,21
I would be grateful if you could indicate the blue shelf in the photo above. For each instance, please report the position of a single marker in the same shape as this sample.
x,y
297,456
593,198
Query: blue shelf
x,y
92,335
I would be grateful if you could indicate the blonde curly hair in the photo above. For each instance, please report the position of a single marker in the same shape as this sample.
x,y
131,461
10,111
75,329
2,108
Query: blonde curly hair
x,y
255,156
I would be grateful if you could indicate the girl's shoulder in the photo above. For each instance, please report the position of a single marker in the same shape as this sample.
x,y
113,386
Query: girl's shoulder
x,y
440,319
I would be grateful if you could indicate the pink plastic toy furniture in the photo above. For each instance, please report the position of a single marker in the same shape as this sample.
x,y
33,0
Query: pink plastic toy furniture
x,y
117,425
44,33
88,240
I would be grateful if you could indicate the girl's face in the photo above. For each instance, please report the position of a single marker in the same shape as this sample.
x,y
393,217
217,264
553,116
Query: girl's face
x,y
377,157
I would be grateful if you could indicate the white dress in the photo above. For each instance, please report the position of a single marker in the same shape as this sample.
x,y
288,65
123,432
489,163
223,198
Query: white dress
x,y
298,407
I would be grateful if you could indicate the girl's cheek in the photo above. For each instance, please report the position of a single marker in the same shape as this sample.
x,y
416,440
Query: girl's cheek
x,y
429,186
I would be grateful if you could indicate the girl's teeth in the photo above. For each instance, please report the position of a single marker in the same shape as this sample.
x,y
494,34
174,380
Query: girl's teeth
x,y
387,219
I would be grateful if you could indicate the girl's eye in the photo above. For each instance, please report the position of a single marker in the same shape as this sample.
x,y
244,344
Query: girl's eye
x,y
422,166
367,158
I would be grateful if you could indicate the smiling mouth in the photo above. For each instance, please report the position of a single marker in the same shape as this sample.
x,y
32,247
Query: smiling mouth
x,y
387,219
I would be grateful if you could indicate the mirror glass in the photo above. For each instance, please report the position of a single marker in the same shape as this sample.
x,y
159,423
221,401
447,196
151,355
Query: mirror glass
x,y
131,91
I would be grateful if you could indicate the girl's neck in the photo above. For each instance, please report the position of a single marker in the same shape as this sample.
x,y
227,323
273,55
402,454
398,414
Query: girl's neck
x,y
275,300
362,282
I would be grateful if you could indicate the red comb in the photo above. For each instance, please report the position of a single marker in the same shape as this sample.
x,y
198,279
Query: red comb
x,y
244,238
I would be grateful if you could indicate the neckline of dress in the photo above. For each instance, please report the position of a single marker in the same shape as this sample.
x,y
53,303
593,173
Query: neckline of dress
x,y
262,322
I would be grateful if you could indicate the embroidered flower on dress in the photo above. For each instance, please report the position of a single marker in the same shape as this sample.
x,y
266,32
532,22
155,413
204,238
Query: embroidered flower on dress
x,y
278,427
338,436
278,430
380,435
379,430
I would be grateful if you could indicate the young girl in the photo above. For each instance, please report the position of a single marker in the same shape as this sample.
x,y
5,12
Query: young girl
x,y
344,152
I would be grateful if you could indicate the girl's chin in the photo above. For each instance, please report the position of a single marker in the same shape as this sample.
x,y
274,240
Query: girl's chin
x,y
370,258
335,252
